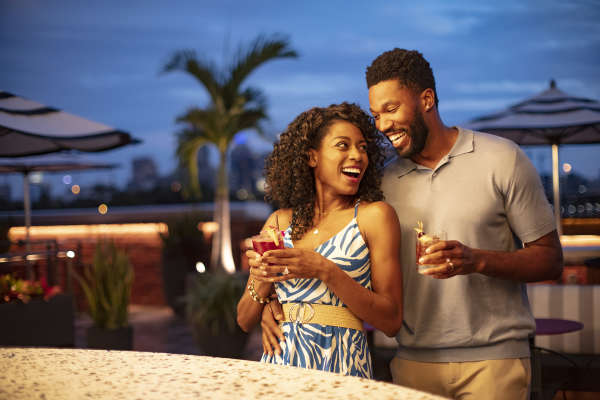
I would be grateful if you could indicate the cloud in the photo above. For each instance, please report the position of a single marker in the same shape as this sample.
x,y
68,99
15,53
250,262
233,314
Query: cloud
x,y
477,105
526,89
503,86
110,80
566,43
303,84
194,93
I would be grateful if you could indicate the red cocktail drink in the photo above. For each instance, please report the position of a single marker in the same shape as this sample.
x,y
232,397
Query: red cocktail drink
x,y
267,240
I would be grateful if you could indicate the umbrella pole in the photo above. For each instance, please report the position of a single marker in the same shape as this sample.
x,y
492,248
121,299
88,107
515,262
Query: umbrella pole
x,y
27,207
556,189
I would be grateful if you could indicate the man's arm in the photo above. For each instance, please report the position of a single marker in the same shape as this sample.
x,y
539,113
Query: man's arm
x,y
539,260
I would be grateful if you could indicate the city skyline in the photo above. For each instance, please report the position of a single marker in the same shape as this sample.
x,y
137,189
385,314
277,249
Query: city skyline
x,y
103,61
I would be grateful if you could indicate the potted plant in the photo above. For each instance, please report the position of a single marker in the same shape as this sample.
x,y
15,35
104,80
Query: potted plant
x,y
107,288
183,246
211,309
5,226
35,314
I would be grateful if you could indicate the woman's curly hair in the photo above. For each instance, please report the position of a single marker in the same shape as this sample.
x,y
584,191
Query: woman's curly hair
x,y
290,181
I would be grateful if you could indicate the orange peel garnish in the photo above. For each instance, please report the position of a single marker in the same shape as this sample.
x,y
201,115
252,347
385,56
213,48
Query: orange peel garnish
x,y
419,228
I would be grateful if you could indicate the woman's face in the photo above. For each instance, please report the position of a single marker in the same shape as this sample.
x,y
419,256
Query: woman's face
x,y
341,159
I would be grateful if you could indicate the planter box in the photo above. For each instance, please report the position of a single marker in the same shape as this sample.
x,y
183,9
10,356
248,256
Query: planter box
x,y
38,323
116,339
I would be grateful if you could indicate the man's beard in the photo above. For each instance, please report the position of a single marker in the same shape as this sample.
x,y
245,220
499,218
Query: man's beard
x,y
418,133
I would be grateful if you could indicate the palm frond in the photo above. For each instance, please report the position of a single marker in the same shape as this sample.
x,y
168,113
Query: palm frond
x,y
205,72
261,50
255,96
251,118
209,122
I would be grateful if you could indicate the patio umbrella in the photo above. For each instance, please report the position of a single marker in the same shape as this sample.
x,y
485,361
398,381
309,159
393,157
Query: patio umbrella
x,y
30,128
48,163
551,117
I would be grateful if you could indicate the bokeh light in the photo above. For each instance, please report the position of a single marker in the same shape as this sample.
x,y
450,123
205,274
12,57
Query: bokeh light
x,y
242,194
75,189
67,179
567,168
102,208
176,187
260,185
200,267
36,177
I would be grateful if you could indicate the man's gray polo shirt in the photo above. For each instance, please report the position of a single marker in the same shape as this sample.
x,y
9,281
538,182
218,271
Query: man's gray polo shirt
x,y
481,193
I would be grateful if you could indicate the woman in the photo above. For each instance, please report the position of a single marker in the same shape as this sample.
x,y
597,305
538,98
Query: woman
x,y
341,264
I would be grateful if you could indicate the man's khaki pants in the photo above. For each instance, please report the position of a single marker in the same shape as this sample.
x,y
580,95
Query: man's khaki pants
x,y
488,380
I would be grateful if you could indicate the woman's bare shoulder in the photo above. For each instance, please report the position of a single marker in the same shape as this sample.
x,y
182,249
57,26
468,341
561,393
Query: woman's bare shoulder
x,y
283,216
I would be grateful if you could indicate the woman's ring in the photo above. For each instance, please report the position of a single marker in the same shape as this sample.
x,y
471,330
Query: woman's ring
x,y
286,271
450,265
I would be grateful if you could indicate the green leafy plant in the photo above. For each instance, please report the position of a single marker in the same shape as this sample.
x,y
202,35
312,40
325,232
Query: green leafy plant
x,y
183,247
20,290
184,238
212,301
107,286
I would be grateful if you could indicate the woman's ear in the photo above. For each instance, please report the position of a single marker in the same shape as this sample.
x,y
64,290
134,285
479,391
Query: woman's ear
x,y
312,158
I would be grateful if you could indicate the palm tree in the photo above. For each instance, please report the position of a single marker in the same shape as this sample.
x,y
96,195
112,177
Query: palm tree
x,y
232,109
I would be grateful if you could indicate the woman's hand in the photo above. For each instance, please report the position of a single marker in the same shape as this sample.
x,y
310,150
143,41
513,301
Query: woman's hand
x,y
262,286
289,263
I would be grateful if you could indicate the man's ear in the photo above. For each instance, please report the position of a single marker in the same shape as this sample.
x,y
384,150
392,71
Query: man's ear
x,y
312,158
427,99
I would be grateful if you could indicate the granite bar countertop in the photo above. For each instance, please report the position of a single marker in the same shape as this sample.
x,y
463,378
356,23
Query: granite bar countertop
x,y
49,373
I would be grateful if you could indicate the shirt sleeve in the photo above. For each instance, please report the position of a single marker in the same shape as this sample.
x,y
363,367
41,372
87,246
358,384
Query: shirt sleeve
x,y
529,214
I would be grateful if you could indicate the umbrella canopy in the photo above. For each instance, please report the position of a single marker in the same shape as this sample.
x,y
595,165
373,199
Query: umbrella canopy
x,y
552,117
30,128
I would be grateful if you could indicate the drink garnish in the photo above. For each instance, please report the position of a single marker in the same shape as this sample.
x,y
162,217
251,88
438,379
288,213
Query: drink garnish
x,y
274,234
421,235
419,229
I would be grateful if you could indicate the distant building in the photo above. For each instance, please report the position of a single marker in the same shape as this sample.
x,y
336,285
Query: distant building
x,y
144,174
245,171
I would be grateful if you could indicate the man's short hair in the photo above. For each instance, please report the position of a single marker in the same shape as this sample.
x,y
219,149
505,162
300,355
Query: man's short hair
x,y
408,66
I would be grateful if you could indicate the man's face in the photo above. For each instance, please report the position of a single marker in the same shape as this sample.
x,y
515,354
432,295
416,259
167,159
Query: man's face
x,y
397,115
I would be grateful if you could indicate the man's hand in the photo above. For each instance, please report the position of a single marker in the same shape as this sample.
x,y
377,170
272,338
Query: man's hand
x,y
271,332
539,260
452,257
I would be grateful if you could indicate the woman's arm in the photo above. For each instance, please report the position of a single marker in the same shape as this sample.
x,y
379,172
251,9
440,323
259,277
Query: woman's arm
x,y
248,310
382,307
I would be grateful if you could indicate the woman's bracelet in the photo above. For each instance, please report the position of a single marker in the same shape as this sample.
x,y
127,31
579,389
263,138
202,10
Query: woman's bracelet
x,y
255,296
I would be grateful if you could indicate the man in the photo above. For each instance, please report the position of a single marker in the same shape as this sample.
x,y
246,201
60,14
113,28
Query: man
x,y
466,321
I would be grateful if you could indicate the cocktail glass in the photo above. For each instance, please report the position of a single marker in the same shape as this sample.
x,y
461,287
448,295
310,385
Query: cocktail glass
x,y
266,240
424,240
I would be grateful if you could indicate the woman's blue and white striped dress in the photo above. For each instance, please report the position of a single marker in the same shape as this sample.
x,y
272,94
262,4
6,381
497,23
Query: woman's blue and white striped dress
x,y
323,347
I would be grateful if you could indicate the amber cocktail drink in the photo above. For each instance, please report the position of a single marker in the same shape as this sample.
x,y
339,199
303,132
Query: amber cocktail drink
x,y
424,240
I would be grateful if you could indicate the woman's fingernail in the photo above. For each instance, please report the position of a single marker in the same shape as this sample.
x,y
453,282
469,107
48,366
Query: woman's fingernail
x,y
421,260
